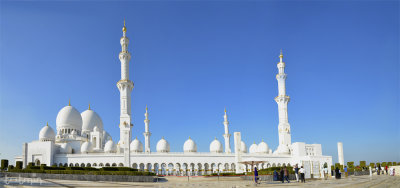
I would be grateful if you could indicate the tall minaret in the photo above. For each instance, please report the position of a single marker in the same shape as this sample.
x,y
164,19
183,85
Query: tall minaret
x,y
125,87
282,99
227,136
146,133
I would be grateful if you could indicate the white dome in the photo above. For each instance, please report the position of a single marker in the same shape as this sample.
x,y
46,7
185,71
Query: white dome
x,y
216,146
243,147
136,146
65,148
86,147
69,118
110,147
90,119
253,148
46,134
189,146
163,146
262,147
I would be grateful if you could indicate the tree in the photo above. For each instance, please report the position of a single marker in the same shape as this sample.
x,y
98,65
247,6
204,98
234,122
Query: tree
x,y
383,164
372,165
4,164
389,163
363,164
18,165
350,164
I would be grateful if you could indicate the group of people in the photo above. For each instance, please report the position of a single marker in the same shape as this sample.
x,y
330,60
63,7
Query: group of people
x,y
389,171
284,174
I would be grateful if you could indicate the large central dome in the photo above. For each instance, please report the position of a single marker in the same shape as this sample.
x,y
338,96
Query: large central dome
x,y
69,118
91,119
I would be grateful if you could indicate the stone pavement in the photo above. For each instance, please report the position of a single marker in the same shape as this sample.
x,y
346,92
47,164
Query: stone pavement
x,y
225,182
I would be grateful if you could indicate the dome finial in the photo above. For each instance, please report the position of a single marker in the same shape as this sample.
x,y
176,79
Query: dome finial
x,y
281,55
225,110
69,102
47,124
124,28
146,108
215,138
89,106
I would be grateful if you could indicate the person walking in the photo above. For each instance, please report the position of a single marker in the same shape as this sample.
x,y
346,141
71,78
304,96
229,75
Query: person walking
x,y
379,169
282,175
345,171
286,174
255,175
326,172
296,172
386,169
302,172
337,171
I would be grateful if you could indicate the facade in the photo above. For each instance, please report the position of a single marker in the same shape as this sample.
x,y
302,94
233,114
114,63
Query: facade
x,y
80,140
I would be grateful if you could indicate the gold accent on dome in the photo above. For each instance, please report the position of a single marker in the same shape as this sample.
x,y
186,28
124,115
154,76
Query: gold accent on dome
x,y
69,102
124,28
146,108
281,56
89,107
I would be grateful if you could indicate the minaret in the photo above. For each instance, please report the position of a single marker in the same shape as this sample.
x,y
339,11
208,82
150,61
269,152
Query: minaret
x,y
227,136
282,99
125,87
146,133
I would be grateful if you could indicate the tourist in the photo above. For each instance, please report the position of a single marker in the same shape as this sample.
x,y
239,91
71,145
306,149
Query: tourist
x,y
255,175
337,173
379,169
383,169
326,172
282,175
302,172
386,169
296,172
345,171
285,174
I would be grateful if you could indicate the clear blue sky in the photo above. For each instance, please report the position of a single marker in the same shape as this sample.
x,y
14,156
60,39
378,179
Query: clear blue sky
x,y
192,59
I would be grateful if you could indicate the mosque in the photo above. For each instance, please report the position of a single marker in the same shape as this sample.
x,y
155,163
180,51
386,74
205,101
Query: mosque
x,y
80,140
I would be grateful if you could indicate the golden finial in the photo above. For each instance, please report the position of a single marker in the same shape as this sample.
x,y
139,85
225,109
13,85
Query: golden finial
x,y
225,110
69,102
163,137
215,138
262,140
189,137
124,28
281,56
89,107
47,124
254,142
136,138
146,108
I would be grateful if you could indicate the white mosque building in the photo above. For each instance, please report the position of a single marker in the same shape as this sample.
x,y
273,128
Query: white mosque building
x,y
80,140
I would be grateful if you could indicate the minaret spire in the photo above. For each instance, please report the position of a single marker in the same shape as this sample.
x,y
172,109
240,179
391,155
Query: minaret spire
x,y
227,136
125,87
146,133
282,100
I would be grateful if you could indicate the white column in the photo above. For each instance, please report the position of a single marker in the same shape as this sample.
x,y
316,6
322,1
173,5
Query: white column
x,y
227,136
146,133
125,87
282,100
340,153
237,141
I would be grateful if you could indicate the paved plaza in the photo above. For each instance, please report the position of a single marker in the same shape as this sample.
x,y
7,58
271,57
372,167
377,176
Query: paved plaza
x,y
228,182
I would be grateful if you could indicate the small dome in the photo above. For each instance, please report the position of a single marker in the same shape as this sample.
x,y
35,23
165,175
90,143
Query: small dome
x,y
90,119
262,147
243,147
253,148
163,146
69,118
65,148
136,146
189,146
216,146
47,134
110,147
86,147
96,129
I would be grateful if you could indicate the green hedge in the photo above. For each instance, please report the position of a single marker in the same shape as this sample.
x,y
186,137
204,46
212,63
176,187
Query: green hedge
x,y
372,165
270,171
389,163
4,164
350,164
